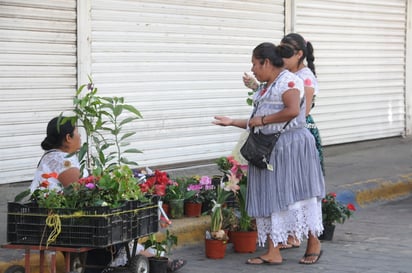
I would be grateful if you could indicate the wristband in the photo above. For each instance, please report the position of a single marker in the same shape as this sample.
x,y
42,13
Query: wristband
x,y
261,119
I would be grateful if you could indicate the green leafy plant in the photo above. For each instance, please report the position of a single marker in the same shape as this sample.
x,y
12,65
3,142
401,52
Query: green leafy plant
x,y
334,211
161,246
101,189
178,190
103,119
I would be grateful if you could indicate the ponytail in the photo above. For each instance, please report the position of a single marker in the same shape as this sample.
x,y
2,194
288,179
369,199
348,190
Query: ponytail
x,y
310,58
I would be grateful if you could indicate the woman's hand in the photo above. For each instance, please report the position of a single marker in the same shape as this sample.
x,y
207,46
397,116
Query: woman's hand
x,y
222,121
250,82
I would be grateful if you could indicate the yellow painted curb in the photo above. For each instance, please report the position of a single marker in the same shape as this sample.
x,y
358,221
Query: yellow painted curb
x,y
385,190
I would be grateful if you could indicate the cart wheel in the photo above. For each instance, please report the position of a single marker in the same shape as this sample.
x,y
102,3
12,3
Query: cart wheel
x,y
15,269
139,264
77,261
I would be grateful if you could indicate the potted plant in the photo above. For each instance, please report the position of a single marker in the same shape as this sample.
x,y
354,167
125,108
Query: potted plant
x,y
208,195
216,237
243,232
176,193
334,211
162,248
197,186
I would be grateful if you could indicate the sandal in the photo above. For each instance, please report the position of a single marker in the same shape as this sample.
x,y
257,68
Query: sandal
x,y
316,255
175,265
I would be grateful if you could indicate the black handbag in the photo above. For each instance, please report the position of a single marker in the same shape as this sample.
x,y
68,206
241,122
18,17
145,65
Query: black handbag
x,y
258,148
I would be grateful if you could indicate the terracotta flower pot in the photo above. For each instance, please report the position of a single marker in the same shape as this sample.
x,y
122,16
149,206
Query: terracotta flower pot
x,y
193,209
215,249
244,241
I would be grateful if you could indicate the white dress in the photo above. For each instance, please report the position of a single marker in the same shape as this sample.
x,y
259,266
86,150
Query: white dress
x,y
54,161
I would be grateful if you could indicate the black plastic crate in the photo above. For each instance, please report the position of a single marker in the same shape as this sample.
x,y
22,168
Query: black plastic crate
x,y
143,218
90,227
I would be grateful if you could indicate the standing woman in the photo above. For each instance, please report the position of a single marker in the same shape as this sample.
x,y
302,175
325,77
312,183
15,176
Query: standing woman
x,y
287,199
295,50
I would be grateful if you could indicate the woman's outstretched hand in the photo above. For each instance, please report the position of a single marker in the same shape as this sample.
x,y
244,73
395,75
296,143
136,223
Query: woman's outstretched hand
x,y
222,121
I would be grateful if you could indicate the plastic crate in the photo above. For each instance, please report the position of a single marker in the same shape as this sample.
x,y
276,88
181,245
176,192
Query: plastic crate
x,y
143,218
90,227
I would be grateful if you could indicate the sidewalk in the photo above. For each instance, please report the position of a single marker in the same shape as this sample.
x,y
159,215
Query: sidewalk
x,y
366,173
377,240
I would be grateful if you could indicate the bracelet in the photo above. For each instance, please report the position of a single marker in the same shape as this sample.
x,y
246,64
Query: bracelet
x,y
261,119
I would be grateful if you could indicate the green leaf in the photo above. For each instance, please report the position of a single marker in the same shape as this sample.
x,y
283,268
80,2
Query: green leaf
x,y
127,135
22,195
127,120
133,150
132,109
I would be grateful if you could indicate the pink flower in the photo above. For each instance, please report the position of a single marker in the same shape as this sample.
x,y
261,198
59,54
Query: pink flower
x,y
194,187
209,187
232,184
205,180
90,186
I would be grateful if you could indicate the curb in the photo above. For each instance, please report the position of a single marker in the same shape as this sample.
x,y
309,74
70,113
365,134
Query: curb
x,y
375,191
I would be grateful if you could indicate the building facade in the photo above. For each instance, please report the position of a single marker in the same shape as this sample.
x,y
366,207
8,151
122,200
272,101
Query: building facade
x,y
181,62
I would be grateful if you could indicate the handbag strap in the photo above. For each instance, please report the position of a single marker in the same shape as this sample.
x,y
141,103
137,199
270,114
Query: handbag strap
x,y
287,123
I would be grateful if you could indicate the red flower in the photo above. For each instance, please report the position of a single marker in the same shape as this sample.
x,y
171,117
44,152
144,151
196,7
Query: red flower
x,y
88,180
291,84
333,194
156,184
307,82
351,207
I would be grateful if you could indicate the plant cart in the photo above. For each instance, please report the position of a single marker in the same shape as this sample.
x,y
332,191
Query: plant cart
x,y
30,228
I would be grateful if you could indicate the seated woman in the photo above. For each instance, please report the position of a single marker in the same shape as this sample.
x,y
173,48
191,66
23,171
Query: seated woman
x,y
61,141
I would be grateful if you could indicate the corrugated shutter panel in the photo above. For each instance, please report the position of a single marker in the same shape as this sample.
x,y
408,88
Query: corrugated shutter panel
x,y
180,63
37,79
360,59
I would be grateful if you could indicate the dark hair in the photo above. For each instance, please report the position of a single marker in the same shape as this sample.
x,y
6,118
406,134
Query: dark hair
x,y
56,133
268,51
297,42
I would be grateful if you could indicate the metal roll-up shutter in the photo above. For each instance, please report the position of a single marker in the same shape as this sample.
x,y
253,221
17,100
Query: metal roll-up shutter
x,y
360,59
180,63
37,78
